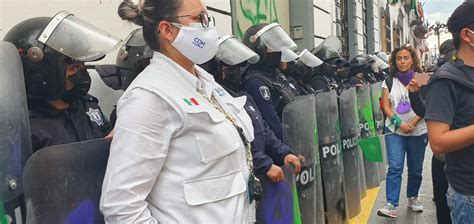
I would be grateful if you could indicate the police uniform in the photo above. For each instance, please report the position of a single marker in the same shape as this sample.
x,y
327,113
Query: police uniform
x,y
267,149
271,91
83,120
176,158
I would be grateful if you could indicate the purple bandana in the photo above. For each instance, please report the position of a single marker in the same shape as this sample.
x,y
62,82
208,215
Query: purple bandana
x,y
406,78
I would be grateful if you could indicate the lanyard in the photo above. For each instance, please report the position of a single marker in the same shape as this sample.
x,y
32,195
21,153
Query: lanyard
x,y
232,119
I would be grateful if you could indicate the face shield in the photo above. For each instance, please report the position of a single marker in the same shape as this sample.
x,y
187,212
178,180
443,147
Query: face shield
x,y
378,64
330,42
76,38
232,51
288,55
309,59
384,56
274,37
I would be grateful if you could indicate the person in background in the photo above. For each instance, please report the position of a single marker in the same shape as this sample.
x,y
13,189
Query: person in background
x,y
409,132
450,117
263,80
269,153
181,150
438,176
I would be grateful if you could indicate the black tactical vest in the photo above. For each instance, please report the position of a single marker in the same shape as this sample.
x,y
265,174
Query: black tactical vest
x,y
277,82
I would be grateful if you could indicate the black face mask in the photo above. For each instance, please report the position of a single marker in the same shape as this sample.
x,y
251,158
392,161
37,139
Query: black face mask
x,y
232,76
328,70
81,85
272,60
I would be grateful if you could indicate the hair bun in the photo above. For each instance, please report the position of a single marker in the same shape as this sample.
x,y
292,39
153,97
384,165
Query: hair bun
x,y
132,12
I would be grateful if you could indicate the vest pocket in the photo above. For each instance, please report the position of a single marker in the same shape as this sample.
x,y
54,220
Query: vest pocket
x,y
215,188
214,135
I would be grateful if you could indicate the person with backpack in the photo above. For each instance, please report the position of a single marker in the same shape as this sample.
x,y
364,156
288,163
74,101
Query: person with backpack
x,y
438,176
407,132
450,114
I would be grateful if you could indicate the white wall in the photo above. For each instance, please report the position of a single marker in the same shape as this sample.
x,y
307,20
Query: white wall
x,y
323,19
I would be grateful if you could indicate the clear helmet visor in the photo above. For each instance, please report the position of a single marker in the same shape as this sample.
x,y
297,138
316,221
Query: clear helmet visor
x,y
379,63
309,59
232,51
76,38
330,42
384,56
274,37
135,38
288,55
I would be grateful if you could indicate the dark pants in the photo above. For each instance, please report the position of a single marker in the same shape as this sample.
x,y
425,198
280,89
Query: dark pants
x,y
440,188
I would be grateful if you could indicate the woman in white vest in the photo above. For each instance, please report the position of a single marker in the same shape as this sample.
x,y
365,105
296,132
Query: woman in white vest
x,y
180,152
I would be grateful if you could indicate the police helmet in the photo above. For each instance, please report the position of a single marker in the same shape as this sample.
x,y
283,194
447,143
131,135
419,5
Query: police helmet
x,y
255,45
47,45
134,55
327,53
44,68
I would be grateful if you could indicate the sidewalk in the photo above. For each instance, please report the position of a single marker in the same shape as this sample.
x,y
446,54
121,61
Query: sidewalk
x,y
405,215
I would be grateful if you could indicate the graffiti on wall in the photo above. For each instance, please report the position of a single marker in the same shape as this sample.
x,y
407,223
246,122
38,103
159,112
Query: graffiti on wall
x,y
251,12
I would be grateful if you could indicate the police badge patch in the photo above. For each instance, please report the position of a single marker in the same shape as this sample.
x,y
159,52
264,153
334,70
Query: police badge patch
x,y
265,92
95,116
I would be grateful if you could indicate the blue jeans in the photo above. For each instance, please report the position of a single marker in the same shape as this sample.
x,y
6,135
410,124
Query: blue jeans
x,y
397,146
462,207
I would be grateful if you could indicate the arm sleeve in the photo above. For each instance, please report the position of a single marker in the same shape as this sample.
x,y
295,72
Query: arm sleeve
x,y
417,104
144,128
261,161
275,148
265,105
440,102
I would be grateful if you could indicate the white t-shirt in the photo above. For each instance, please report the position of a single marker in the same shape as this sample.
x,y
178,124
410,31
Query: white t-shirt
x,y
398,92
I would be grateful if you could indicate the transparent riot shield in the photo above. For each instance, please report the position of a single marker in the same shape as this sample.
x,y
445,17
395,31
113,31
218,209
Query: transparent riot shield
x,y
280,203
376,94
15,137
299,126
349,119
332,165
63,183
367,130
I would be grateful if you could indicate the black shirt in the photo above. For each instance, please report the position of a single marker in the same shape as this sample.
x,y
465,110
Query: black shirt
x,y
82,121
452,102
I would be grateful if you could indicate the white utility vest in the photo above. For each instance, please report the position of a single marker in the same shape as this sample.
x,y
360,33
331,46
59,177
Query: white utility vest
x,y
204,178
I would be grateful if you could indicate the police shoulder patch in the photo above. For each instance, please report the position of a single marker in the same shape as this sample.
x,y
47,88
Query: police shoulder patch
x,y
265,92
95,116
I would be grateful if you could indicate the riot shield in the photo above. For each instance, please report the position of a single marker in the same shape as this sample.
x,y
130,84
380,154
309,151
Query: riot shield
x,y
349,119
363,182
332,165
15,137
63,183
376,94
367,130
279,202
299,126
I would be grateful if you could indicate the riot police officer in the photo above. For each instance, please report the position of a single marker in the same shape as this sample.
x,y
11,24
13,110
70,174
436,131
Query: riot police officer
x,y
332,74
301,71
134,55
53,55
269,153
359,71
263,80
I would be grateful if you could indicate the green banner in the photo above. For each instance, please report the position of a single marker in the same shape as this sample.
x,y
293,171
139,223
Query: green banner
x,y
372,149
296,204
3,217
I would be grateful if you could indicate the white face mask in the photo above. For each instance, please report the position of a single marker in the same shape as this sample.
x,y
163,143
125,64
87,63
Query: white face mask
x,y
196,43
